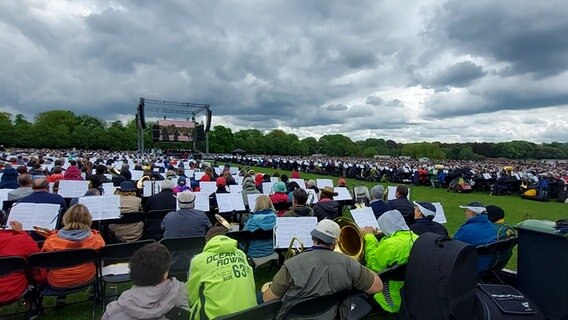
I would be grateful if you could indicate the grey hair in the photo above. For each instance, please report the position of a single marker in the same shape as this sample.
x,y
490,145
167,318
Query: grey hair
x,y
168,184
377,192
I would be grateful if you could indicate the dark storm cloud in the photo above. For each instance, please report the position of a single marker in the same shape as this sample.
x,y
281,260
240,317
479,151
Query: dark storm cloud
x,y
461,74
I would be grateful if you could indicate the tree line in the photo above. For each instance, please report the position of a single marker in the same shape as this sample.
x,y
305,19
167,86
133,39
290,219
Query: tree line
x,y
64,129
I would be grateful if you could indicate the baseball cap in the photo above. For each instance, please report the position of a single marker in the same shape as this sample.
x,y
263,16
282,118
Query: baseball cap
x,y
476,207
426,208
326,230
221,182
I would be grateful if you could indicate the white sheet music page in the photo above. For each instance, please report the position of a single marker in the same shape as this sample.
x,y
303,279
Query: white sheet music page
x,y
273,180
440,216
4,194
147,191
342,194
364,217
207,186
287,228
266,188
235,188
227,202
102,207
198,175
72,188
201,201
251,198
34,214
109,188
300,182
321,183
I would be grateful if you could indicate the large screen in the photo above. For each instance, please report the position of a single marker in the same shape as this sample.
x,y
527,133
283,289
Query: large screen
x,y
176,131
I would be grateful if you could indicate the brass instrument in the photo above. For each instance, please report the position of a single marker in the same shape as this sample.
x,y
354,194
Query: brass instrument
x,y
294,250
154,187
222,221
114,171
351,241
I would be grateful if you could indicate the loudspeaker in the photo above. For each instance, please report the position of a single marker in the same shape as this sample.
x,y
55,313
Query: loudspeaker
x,y
199,133
141,113
155,133
208,126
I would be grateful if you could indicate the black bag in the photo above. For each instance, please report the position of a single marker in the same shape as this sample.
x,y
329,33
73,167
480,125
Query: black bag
x,y
502,302
440,282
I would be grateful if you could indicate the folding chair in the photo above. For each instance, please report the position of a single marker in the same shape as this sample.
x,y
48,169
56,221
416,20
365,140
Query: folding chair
x,y
395,273
313,308
178,313
182,250
264,235
500,252
61,260
243,237
265,311
125,218
113,254
153,224
10,266
361,195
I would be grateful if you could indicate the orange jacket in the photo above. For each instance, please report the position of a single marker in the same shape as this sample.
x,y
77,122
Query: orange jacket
x,y
77,275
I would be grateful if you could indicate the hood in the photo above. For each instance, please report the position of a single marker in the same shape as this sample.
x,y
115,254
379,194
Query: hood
x,y
72,173
265,219
10,175
74,235
329,206
220,244
303,211
248,184
150,302
391,222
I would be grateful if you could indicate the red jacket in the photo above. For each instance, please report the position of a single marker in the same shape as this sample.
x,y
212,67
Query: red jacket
x,y
72,173
16,243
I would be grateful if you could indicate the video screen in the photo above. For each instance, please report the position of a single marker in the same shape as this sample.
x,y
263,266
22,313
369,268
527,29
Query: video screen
x,y
176,131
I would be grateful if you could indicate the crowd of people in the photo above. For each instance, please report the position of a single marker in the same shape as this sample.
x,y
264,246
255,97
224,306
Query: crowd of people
x,y
220,279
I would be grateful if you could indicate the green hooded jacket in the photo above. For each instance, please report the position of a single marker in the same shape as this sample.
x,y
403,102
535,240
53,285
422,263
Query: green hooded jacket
x,y
393,249
220,280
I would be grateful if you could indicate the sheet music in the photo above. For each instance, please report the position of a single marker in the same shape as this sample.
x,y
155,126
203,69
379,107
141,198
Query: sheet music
x,y
218,170
34,214
102,207
189,173
266,188
234,170
109,188
312,194
4,194
72,188
342,194
227,202
198,175
364,217
321,183
287,228
440,216
300,182
235,188
116,269
207,186
136,174
487,176
273,180
240,180
392,193
251,198
147,191
202,201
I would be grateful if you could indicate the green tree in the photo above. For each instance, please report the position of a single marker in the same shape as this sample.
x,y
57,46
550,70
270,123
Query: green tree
x,y
311,144
6,135
221,139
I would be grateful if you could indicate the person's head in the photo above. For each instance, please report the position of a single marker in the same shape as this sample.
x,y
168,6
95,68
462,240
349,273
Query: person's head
x,y
182,181
326,233
22,169
215,231
100,169
299,197
25,180
127,188
377,192
40,184
280,187
401,191
327,193
209,171
293,186
263,202
473,209
248,184
95,182
220,182
341,182
186,200
284,178
423,209
73,163
149,265
495,213
391,222
57,170
168,184
77,217
311,183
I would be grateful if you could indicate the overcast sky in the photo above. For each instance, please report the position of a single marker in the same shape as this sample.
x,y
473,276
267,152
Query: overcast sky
x,y
405,70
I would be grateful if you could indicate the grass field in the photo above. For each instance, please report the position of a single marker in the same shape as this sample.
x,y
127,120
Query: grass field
x,y
516,210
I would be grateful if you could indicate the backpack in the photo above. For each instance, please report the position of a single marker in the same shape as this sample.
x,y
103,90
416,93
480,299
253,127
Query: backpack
x,y
440,281
502,302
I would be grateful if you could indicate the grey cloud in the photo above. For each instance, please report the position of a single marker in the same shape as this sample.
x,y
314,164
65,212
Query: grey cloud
x,y
374,100
461,74
337,107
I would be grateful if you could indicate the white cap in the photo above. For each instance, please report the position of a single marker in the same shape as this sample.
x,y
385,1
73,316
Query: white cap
x,y
326,230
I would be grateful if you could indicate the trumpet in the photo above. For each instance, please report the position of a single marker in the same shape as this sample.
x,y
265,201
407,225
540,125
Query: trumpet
x,y
294,250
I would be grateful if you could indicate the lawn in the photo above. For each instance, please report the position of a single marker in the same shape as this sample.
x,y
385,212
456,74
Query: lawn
x,y
516,210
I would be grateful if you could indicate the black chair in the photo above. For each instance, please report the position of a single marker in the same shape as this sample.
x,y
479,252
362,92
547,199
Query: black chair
x,y
265,311
315,307
394,273
61,260
9,266
178,313
243,237
153,224
500,252
125,218
282,206
274,257
182,250
114,254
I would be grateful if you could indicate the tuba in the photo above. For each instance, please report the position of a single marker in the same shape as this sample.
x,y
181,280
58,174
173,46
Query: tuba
x,y
154,188
351,241
114,171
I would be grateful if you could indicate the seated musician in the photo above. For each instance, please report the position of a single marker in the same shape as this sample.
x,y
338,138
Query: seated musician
x,y
394,248
319,272
262,218
129,204
299,207
424,213
220,279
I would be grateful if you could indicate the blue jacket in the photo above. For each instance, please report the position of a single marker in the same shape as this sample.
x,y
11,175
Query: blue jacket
x,y
265,220
476,231
9,179
379,207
